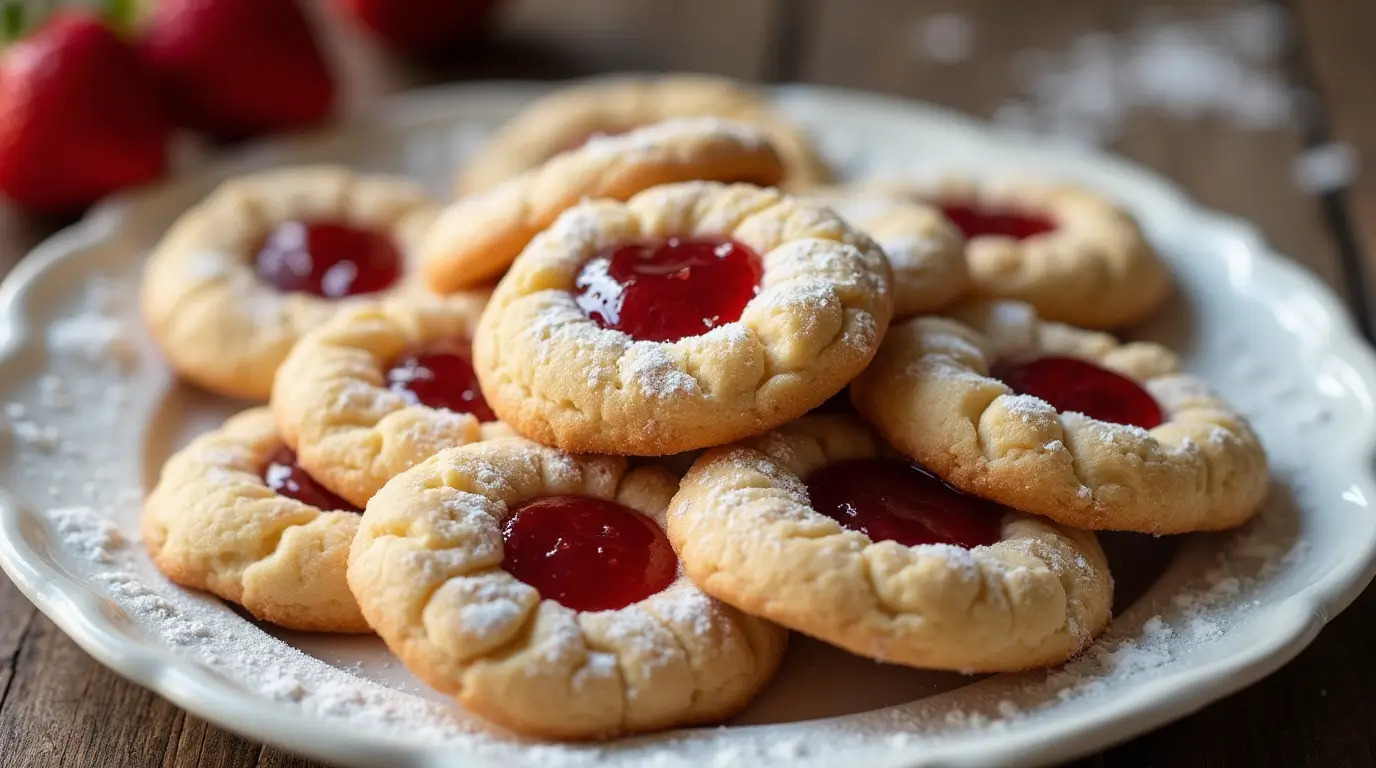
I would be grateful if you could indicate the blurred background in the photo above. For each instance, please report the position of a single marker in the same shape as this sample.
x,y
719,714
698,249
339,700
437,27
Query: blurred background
x,y
1256,107
1262,109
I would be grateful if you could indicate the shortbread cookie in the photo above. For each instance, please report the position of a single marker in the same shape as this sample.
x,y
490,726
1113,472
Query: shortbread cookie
x,y
926,251
1062,422
233,514
571,116
380,388
820,527
539,589
476,238
268,256
693,315
1073,254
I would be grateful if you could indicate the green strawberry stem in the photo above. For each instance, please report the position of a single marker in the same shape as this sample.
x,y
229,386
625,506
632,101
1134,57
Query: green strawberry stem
x,y
20,17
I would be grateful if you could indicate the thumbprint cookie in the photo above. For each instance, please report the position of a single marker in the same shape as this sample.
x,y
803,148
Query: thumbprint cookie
x,y
608,106
1062,422
476,238
378,389
539,589
235,515
692,315
821,527
268,256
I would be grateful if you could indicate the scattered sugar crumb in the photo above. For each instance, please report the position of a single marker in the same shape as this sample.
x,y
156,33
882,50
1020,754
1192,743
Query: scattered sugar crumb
x,y
86,532
1326,168
41,437
1220,66
946,38
96,338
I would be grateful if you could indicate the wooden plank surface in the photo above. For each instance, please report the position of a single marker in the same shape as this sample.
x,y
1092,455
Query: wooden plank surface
x,y
59,707
1336,37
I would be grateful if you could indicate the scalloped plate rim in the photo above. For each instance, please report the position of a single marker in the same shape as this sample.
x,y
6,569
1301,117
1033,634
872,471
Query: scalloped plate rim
x,y
75,608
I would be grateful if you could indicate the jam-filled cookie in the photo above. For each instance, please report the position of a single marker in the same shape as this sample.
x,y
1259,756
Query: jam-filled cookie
x,y
1062,422
476,238
609,106
926,250
268,256
235,515
378,389
692,315
539,589
1071,253
822,528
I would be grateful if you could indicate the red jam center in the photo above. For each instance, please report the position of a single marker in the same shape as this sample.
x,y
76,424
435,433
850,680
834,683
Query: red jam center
x,y
286,478
666,291
328,259
974,221
440,378
1074,385
588,554
892,500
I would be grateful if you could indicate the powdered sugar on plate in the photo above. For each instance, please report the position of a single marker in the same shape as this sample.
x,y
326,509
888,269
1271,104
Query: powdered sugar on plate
x,y
366,692
103,428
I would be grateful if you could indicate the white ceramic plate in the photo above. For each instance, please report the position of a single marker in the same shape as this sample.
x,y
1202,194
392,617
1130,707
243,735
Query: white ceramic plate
x,y
93,412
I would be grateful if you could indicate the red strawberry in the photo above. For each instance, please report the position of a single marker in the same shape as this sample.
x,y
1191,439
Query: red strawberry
x,y
236,68
79,116
421,26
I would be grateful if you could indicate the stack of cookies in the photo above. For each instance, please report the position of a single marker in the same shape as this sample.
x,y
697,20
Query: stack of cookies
x,y
901,418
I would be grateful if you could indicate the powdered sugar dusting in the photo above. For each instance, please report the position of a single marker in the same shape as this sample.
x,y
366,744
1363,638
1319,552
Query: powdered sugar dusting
x,y
331,689
662,134
87,532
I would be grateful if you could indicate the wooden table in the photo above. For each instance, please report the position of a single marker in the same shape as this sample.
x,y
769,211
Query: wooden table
x,y
58,707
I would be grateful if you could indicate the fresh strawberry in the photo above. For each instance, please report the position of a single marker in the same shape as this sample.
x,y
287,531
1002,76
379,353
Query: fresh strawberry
x,y
237,68
79,116
420,26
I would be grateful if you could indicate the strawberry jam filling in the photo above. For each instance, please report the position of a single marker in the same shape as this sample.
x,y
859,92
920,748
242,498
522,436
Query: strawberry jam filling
x,y
286,478
892,500
328,259
671,289
1069,384
973,221
441,377
587,554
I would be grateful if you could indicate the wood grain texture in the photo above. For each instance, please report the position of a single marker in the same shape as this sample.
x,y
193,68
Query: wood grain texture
x,y
1241,172
1320,710
58,707
1336,38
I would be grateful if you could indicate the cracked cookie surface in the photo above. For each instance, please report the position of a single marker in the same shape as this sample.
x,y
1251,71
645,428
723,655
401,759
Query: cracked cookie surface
x,y
217,321
611,105
926,251
1073,254
748,534
931,394
352,427
555,375
476,238
213,523
427,569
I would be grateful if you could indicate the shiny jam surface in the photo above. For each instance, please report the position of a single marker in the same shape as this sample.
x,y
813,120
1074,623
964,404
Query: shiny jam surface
x,y
286,478
669,290
892,500
973,221
1069,384
328,259
441,377
587,554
